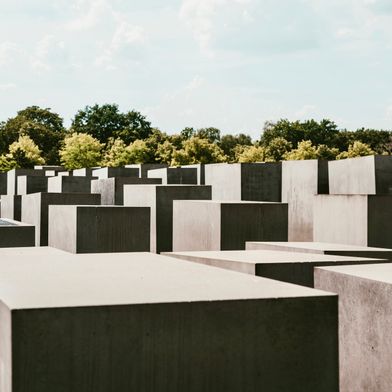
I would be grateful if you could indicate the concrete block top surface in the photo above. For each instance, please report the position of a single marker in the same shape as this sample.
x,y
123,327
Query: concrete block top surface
x,y
375,272
267,257
47,280
236,202
10,222
315,247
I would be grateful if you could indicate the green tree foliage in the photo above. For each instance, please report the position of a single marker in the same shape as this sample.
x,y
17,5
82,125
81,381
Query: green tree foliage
x,y
228,144
106,121
277,148
305,150
139,152
80,150
44,127
198,150
211,134
116,154
251,154
357,149
327,153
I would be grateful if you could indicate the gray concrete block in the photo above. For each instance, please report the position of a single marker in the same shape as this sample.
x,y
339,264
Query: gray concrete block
x,y
245,181
301,180
12,176
72,184
108,172
365,318
145,167
200,167
353,219
143,322
11,207
323,248
87,172
99,229
65,174
31,184
49,167
290,267
224,225
112,189
3,184
175,175
364,175
36,205
160,199
16,234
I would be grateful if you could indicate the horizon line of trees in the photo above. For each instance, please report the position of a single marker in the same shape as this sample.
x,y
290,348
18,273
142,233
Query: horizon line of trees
x,y
103,135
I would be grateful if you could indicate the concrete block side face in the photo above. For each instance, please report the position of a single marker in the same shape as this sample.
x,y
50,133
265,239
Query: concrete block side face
x,y
225,180
196,226
252,222
17,236
341,219
365,317
11,207
379,221
180,175
261,182
323,178
283,345
31,213
55,184
5,349
3,183
299,185
164,210
63,227
383,165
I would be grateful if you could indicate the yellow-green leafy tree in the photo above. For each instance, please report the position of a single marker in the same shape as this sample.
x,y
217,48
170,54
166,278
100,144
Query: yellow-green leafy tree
x,y
357,149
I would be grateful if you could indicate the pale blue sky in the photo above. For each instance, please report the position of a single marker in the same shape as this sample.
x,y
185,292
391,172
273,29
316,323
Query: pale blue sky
x,y
232,64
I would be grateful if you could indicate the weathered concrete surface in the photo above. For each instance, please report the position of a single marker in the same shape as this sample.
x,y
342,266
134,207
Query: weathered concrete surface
x,y
87,172
365,318
143,322
16,234
99,229
364,175
36,205
323,248
108,172
12,178
175,175
160,200
31,184
225,225
145,167
353,219
3,184
290,267
200,167
112,189
301,180
245,181
72,184
49,167
11,207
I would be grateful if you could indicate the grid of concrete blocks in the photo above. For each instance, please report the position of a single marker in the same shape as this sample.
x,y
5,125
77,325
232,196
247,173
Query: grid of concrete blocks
x,y
204,278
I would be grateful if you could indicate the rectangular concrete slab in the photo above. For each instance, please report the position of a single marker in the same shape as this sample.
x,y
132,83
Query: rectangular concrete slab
x,y
11,207
291,267
3,184
35,209
145,167
175,175
12,176
31,184
323,248
99,229
226,225
365,317
144,322
66,184
16,234
108,172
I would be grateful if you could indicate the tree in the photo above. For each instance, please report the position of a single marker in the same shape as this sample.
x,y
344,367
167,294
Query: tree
x,y
106,121
357,149
25,153
80,151
251,154
211,133
138,152
327,153
228,144
277,148
198,150
44,127
116,154
304,151
166,151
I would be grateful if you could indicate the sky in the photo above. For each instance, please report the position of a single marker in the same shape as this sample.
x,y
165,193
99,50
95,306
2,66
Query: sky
x,y
230,64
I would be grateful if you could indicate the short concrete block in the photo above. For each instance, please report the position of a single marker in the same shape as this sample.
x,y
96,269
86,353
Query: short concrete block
x,y
31,184
145,167
35,209
200,167
144,322
353,219
12,175
160,199
290,267
369,175
301,180
72,184
175,175
108,172
99,229
88,172
365,318
224,225
112,189
323,248
11,207
16,234
245,181
3,184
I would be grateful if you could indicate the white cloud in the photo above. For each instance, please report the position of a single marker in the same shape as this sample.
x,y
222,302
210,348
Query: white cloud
x,y
306,111
7,86
91,11
388,112
8,50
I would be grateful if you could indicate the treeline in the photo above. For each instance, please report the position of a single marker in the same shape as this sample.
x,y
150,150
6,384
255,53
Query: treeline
x,y
103,135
